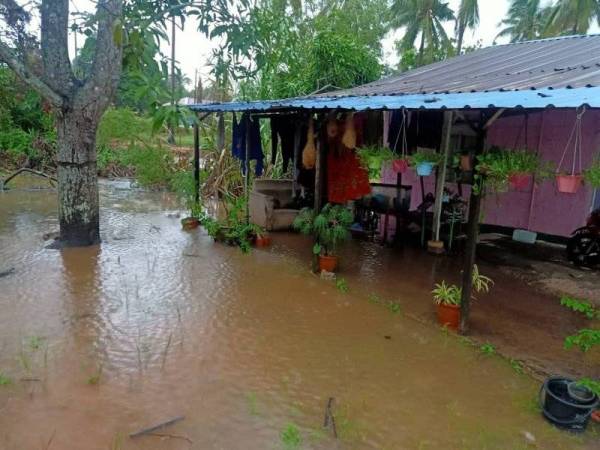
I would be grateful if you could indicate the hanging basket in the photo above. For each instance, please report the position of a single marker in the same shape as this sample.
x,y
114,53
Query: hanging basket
x,y
519,181
424,169
400,165
569,184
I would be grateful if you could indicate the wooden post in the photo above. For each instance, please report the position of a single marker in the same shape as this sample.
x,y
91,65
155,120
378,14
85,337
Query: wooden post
x,y
220,132
471,251
197,162
318,188
441,174
297,150
247,169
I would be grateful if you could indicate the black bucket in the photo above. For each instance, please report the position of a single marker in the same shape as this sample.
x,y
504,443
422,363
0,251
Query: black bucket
x,y
561,409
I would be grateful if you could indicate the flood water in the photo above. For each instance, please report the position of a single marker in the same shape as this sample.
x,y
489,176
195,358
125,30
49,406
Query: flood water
x,y
157,323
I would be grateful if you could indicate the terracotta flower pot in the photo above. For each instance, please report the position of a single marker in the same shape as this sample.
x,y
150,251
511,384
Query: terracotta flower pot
x,y
262,241
328,263
400,165
466,163
596,416
189,223
568,184
519,181
448,315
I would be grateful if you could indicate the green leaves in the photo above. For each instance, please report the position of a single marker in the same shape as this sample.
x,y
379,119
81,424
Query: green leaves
x,y
584,339
317,249
330,226
579,305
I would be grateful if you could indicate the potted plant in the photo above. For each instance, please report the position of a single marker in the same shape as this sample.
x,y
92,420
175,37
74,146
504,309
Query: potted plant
x,y
592,175
330,228
424,160
568,183
184,186
372,159
448,298
261,237
514,168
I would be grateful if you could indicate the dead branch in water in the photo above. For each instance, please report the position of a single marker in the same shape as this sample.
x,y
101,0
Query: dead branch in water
x,y
25,169
172,436
329,419
157,427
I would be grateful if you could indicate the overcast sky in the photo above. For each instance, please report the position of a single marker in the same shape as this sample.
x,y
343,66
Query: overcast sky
x,y
194,50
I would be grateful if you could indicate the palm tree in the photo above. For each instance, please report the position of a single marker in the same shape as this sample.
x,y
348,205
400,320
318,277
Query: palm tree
x,y
424,18
573,16
468,17
525,20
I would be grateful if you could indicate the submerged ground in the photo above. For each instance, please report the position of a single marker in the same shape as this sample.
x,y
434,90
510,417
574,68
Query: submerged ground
x,y
157,323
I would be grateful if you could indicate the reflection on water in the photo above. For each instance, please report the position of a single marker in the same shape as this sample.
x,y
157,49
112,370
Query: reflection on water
x,y
156,323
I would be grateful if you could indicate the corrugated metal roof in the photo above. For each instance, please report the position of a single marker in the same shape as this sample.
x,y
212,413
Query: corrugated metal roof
x,y
572,61
561,72
558,98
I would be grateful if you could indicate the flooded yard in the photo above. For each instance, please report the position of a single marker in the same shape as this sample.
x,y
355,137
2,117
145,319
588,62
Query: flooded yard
x,y
156,323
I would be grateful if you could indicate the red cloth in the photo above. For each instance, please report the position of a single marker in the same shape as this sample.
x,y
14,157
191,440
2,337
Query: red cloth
x,y
346,178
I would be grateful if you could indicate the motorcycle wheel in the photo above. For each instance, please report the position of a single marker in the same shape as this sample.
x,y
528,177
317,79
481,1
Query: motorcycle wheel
x,y
583,249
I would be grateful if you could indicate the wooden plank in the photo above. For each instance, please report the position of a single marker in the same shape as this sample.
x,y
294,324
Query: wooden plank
x,y
441,174
197,163
247,169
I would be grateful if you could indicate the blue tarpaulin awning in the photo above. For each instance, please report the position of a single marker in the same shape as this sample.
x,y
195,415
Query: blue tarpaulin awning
x,y
538,98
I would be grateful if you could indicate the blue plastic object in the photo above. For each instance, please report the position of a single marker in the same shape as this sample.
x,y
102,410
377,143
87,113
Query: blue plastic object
x,y
424,169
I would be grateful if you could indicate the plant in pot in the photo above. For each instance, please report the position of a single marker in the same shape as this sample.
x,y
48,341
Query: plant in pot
x,y
570,181
514,168
592,175
447,298
184,185
372,159
424,160
330,228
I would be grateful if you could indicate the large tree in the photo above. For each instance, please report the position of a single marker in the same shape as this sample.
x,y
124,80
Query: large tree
x,y
78,105
423,20
573,16
467,17
525,20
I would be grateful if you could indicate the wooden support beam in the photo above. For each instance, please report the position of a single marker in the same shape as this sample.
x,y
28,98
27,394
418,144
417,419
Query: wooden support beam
x,y
319,178
220,131
471,251
441,173
247,169
297,150
494,117
197,163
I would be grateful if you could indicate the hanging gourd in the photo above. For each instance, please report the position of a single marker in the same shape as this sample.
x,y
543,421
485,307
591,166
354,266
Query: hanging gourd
x,y
570,183
309,154
349,137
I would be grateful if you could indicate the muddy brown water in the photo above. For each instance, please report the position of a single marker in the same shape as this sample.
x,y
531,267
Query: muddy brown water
x,y
157,323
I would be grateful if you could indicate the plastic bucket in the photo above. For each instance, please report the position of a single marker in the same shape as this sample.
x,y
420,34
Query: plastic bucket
x,y
424,169
560,409
568,184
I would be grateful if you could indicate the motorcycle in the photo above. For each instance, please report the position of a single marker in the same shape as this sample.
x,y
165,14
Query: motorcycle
x,y
583,247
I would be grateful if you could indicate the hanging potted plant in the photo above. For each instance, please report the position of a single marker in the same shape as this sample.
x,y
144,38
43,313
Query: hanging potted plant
x,y
447,298
592,175
424,160
400,165
372,159
330,228
570,182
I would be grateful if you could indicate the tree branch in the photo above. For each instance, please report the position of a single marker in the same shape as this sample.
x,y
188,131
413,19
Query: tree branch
x,y
106,68
7,56
55,46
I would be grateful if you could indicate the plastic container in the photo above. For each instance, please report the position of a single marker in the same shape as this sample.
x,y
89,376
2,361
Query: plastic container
x,y
524,236
562,410
424,169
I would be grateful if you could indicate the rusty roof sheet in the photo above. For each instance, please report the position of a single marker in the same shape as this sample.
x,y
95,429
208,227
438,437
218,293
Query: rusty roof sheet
x,y
565,62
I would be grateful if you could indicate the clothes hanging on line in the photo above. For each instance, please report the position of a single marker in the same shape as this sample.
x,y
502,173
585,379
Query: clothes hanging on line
x,y
238,140
283,129
346,178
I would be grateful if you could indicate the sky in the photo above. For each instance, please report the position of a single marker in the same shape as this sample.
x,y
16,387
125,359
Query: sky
x,y
193,50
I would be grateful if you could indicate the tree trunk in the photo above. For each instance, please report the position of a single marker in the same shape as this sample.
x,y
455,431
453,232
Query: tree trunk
x,y
461,35
78,206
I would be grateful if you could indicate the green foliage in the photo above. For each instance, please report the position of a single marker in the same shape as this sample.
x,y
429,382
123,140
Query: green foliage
x,y
525,20
373,157
487,349
342,285
35,342
496,166
5,380
592,174
330,226
592,385
154,166
444,294
183,184
290,437
122,126
580,305
584,339
425,156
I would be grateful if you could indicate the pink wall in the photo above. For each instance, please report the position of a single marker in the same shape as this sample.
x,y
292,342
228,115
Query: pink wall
x,y
541,207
